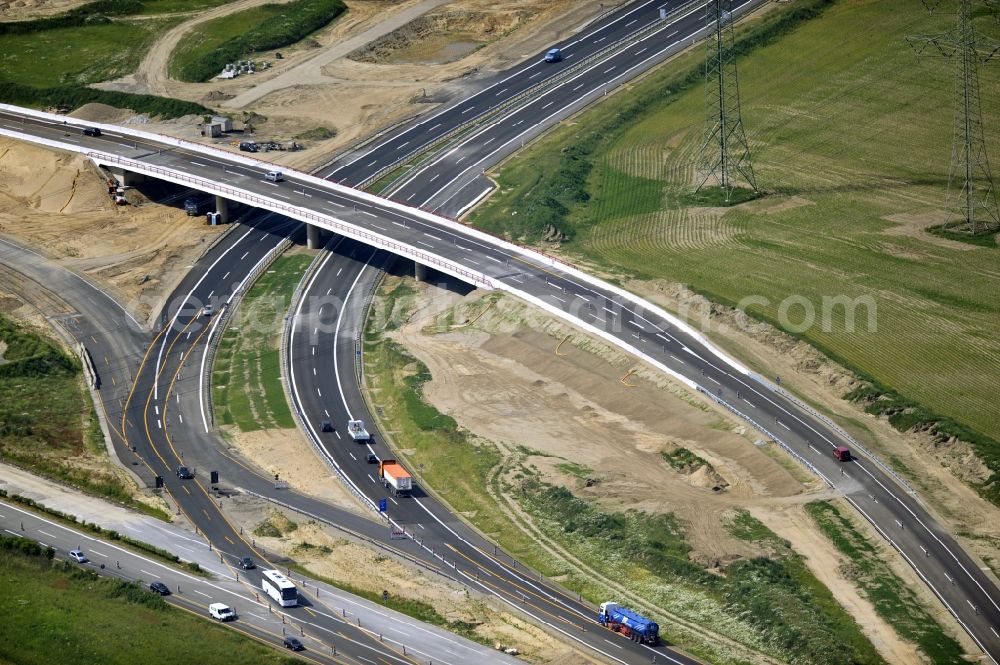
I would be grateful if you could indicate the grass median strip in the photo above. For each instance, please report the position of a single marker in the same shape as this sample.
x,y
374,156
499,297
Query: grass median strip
x,y
246,381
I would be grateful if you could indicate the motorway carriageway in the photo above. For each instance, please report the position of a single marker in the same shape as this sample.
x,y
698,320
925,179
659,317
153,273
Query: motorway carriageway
x,y
948,570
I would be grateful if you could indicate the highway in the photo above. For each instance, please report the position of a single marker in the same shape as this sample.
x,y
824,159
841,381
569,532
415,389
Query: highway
x,y
645,331
595,307
326,633
479,131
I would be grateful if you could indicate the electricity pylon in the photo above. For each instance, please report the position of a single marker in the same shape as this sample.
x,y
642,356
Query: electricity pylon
x,y
724,154
975,204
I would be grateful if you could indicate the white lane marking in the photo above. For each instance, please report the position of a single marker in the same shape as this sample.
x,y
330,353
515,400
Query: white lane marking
x,y
425,244
202,593
500,93
244,255
617,646
370,214
785,426
432,236
493,258
636,324
318,392
639,52
467,110
558,298
198,163
548,105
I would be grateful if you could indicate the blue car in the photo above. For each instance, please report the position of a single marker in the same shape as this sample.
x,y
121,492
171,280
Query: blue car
x,y
554,55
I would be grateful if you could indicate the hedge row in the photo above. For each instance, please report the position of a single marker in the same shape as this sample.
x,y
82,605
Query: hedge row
x,y
71,97
297,20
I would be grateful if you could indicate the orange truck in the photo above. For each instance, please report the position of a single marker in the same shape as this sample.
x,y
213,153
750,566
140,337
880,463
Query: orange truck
x,y
394,476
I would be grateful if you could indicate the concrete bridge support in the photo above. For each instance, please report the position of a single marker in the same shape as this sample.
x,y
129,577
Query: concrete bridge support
x,y
124,177
222,207
420,271
312,236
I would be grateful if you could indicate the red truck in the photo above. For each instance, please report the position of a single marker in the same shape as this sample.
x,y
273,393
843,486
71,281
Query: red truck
x,y
842,454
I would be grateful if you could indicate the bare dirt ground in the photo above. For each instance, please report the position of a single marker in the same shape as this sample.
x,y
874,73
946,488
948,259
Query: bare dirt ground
x,y
20,10
330,554
59,204
316,85
515,376
285,452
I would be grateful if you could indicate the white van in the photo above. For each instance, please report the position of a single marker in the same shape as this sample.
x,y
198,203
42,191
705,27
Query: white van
x,y
274,176
221,611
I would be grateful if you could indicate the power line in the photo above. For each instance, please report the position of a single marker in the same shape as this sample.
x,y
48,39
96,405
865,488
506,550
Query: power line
x,y
973,208
724,154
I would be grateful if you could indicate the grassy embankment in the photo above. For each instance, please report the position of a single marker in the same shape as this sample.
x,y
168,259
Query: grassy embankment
x,y
49,62
645,553
204,51
246,380
893,600
850,133
51,612
47,421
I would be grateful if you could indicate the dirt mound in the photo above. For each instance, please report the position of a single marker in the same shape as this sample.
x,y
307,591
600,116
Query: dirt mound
x,y
441,37
102,113
58,202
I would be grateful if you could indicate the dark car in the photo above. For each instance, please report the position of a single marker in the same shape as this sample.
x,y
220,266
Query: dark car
x,y
294,644
91,131
160,588
246,563
372,458
184,473
326,426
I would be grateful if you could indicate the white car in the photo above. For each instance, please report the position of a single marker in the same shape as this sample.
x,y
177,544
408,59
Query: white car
x,y
78,556
221,611
274,176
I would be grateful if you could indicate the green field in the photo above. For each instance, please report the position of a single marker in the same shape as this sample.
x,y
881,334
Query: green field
x,y
850,133
771,604
81,54
51,613
246,381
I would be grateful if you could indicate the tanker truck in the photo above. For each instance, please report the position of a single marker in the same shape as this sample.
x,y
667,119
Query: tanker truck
x,y
630,624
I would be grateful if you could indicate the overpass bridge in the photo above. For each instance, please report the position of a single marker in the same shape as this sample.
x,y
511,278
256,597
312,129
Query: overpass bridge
x,y
620,318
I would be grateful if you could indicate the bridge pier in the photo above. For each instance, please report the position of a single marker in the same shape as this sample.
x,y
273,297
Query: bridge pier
x,y
420,271
222,207
125,177
312,236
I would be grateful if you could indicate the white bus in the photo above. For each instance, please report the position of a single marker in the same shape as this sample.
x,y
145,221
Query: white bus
x,y
280,588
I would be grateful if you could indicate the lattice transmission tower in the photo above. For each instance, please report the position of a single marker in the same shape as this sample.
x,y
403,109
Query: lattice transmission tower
x,y
972,202
724,154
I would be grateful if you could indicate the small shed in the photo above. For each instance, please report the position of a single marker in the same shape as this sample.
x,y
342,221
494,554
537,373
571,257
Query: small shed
x,y
225,123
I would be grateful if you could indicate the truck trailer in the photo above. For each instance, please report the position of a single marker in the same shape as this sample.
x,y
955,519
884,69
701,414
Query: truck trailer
x,y
394,476
356,428
630,624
